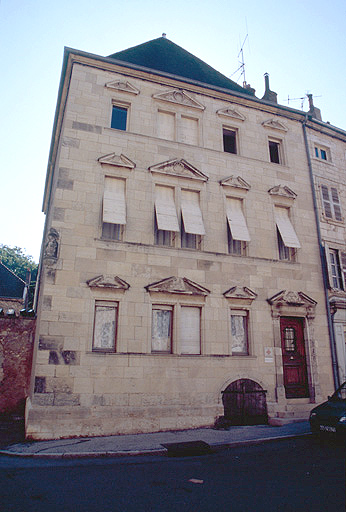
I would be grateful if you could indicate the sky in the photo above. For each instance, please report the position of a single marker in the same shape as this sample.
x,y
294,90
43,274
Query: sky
x,y
302,45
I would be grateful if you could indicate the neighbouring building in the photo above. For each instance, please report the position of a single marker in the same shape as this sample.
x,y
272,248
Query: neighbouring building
x,y
12,290
181,277
327,151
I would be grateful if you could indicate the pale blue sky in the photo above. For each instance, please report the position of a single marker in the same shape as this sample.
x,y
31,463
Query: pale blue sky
x,y
302,45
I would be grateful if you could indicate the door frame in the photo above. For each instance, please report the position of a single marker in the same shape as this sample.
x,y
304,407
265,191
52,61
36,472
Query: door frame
x,y
295,304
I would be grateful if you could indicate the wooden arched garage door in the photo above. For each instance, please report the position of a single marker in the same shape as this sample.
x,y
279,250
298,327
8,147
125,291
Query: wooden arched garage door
x,y
245,403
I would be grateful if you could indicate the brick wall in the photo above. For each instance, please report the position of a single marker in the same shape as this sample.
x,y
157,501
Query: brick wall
x,y
16,346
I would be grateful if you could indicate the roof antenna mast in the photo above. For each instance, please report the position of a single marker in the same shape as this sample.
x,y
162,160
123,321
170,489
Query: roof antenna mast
x,y
241,63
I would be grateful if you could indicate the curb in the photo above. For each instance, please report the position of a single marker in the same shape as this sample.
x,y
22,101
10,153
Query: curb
x,y
80,455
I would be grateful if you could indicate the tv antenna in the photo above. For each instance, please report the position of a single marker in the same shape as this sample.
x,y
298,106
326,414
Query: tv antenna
x,y
241,63
302,99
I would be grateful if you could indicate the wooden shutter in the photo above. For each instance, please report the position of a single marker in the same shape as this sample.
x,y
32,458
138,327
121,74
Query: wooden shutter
x,y
114,205
105,327
190,330
166,125
343,268
336,203
161,329
191,213
188,130
326,202
236,220
329,265
285,227
166,214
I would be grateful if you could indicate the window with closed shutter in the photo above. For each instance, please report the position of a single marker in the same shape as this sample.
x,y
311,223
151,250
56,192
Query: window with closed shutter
x,y
105,323
161,329
331,203
190,330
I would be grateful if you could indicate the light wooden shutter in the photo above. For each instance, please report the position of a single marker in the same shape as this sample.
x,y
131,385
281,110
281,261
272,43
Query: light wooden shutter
x,y
285,227
189,130
343,268
166,214
166,125
114,205
105,327
191,212
327,206
190,330
329,265
236,220
336,203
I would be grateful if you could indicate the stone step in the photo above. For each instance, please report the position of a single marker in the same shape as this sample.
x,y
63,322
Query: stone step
x,y
279,422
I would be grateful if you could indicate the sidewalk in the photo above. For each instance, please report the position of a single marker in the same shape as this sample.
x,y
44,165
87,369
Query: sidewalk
x,y
135,444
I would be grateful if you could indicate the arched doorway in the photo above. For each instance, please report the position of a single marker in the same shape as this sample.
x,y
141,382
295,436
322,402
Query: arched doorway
x,y
244,402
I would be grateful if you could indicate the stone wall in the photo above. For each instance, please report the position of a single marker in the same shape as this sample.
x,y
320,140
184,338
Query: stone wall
x,y
16,345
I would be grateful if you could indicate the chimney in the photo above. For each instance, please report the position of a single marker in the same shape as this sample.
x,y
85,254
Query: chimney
x,y
314,112
268,94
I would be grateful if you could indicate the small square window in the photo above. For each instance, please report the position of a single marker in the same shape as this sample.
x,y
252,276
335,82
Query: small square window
x,y
111,231
229,141
322,153
119,117
274,152
105,326
239,333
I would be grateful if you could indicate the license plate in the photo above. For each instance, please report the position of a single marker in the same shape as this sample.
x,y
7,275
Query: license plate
x,y
327,428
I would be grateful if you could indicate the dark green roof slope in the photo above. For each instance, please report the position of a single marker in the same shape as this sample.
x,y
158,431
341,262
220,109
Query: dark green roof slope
x,y
162,55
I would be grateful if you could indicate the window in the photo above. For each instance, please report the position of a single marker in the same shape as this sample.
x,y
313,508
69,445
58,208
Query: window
x,y
119,117
161,329
239,333
322,153
114,208
287,238
331,203
188,130
337,268
105,326
166,220
166,125
229,141
192,220
275,152
238,233
190,330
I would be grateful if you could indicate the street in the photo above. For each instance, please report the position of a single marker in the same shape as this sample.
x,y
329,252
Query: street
x,y
285,475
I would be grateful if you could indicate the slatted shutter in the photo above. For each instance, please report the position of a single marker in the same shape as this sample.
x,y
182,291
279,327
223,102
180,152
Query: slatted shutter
x,y
114,205
236,220
191,213
166,214
285,227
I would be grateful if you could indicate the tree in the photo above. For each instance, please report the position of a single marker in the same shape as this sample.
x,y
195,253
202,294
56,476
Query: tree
x,y
16,260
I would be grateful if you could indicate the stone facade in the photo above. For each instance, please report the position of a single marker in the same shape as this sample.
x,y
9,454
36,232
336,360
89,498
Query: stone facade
x,y
140,328
327,146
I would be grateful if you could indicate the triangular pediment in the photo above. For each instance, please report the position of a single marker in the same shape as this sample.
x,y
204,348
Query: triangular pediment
x,y
240,292
275,124
110,282
180,97
123,86
231,112
117,160
290,298
177,285
180,168
235,182
283,191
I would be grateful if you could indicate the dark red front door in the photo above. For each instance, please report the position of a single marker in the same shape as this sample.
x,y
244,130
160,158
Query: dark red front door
x,y
294,358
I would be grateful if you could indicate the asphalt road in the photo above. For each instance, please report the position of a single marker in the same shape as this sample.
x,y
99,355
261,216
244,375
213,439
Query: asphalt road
x,y
285,475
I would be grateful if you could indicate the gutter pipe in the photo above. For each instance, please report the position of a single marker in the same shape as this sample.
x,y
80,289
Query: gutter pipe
x,y
323,262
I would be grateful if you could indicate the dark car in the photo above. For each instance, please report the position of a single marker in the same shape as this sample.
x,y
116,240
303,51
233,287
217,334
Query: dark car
x,y
330,417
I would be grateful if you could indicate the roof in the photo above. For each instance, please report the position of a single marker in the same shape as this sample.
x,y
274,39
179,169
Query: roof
x,y
163,55
11,286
